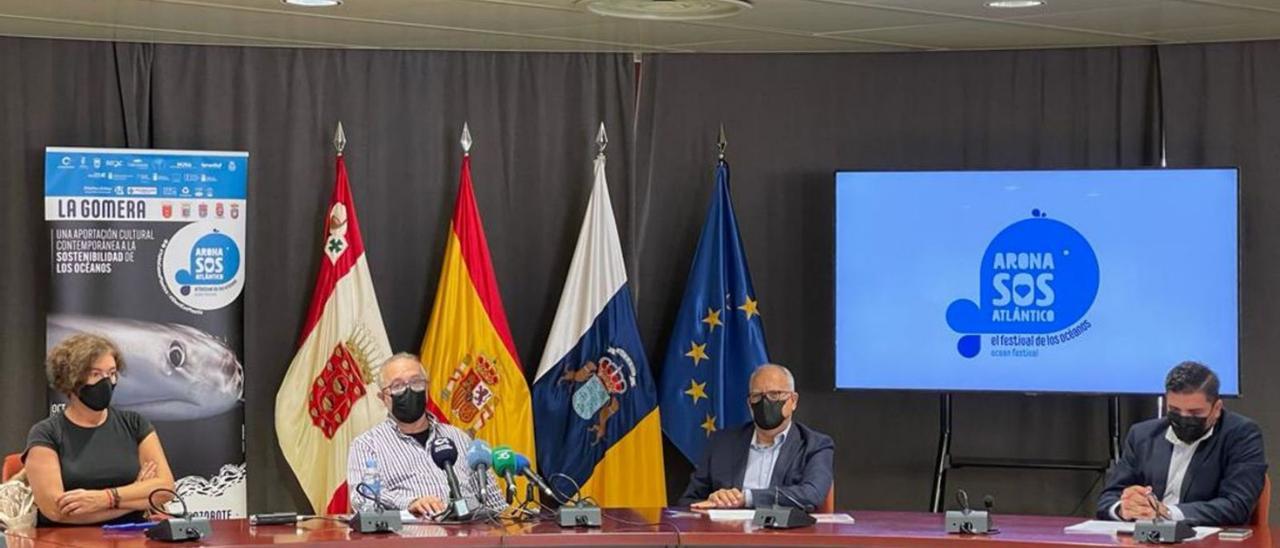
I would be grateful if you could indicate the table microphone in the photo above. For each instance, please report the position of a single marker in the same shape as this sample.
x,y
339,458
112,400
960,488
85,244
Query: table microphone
x,y
504,463
780,517
523,467
444,453
479,460
278,518
1161,529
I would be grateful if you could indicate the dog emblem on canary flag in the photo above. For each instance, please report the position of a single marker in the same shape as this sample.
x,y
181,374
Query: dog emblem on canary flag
x,y
600,385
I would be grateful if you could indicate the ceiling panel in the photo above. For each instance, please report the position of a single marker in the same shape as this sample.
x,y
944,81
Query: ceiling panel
x,y
464,14
1156,18
652,33
984,35
978,8
50,29
1252,31
1263,5
787,44
819,17
565,25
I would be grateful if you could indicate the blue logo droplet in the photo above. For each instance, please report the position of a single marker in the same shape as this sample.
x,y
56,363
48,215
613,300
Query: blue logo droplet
x,y
969,345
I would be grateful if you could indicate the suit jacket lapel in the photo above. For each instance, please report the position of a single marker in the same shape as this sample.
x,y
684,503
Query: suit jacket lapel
x,y
1197,460
1161,452
786,456
740,459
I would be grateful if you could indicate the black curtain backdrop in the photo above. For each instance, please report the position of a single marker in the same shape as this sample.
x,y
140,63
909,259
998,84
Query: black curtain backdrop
x,y
791,121
1222,108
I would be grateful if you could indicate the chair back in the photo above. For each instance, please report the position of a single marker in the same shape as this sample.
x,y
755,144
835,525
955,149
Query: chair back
x,y
12,465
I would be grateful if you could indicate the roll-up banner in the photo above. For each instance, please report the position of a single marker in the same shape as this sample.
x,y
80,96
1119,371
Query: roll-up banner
x,y
148,250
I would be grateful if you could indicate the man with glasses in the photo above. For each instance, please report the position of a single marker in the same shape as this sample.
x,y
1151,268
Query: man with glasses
x,y
400,448
1201,463
771,460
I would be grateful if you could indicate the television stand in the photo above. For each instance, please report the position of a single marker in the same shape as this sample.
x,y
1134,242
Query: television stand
x,y
946,461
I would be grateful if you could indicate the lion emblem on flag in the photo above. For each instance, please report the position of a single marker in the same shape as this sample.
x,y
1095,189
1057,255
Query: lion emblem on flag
x,y
470,392
600,384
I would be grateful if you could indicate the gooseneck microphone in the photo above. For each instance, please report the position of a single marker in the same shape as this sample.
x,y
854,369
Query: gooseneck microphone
x,y
479,460
524,468
504,464
445,454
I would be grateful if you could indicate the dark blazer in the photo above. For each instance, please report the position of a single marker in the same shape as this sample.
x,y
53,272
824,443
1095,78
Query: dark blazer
x,y
802,471
1222,483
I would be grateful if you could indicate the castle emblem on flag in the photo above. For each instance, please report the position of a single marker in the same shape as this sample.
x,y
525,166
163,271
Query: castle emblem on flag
x,y
470,392
336,242
600,386
341,383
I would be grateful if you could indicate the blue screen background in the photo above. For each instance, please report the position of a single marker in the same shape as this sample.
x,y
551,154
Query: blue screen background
x,y
908,244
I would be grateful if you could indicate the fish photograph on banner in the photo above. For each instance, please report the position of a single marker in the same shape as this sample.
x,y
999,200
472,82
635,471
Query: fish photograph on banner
x,y
147,249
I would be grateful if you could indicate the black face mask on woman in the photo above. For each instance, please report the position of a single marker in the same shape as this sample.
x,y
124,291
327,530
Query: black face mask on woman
x,y
96,396
409,406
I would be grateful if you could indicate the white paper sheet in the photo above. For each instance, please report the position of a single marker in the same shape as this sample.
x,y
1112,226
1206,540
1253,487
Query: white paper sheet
x,y
730,515
844,519
1098,527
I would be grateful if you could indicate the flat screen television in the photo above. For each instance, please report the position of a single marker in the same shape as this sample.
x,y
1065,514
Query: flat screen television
x,y
1084,281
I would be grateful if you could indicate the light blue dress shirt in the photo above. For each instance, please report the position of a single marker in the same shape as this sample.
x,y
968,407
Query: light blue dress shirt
x,y
760,462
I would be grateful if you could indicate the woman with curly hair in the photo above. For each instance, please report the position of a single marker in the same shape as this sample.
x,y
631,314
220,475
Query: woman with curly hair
x,y
92,464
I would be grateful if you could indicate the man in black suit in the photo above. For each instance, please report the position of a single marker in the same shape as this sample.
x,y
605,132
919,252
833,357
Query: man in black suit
x,y
1201,463
769,460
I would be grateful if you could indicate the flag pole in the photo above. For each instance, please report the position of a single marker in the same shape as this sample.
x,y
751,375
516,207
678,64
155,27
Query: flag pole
x,y
466,139
602,140
339,139
721,142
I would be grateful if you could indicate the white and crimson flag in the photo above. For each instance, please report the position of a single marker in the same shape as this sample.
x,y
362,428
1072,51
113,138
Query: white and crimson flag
x,y
329,395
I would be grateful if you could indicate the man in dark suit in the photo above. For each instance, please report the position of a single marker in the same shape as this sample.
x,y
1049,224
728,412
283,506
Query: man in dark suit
x,y
1201,463
770,460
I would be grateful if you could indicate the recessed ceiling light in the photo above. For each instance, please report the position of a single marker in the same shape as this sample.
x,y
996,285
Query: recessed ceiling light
x,y
1015,3
667,10
313,3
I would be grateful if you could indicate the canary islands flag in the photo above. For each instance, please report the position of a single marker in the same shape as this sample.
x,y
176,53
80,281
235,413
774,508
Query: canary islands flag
x,y
718,337
594,406
477,382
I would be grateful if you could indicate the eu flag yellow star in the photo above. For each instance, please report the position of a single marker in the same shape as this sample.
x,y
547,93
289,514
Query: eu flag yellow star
x,y
751,307
709,425
698,352
697,390
712,319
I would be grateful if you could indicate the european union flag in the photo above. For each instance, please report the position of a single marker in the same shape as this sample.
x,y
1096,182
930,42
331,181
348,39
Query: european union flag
x,y
718,338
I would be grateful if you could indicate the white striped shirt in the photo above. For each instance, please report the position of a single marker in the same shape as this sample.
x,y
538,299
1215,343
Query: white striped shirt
x,y
407,469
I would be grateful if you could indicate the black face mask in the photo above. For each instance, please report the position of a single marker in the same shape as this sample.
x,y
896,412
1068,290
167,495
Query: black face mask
x,y
96,396
1188,428
409,406
767,414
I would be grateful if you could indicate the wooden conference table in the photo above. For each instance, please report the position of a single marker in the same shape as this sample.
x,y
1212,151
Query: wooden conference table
x,y
653,527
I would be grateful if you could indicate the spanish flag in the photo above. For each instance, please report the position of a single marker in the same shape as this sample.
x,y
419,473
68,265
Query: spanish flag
x,y
477,382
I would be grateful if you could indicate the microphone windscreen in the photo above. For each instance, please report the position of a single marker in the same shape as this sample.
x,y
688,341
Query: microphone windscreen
x,y
989,502
522,463
479,455
443,452
504,460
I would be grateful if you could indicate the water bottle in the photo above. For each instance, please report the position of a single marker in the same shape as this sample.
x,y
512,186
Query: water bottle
x,y
371,479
